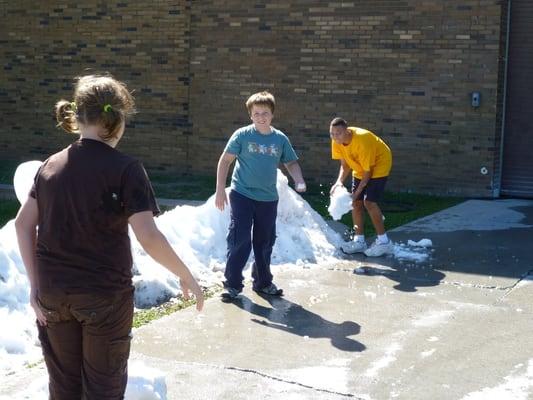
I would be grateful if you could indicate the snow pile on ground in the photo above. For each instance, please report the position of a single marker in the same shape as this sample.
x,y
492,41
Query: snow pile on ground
x,y
198,234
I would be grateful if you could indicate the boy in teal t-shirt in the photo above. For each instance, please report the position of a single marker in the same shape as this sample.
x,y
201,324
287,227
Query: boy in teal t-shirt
x,y
258,149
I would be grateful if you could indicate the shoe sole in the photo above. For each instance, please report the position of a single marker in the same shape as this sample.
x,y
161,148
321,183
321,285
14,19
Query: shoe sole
x,y
278,292
385,253
227,298
354,252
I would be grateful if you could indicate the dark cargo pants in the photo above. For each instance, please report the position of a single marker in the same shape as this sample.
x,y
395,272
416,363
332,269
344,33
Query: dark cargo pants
x,y
252,225
86,344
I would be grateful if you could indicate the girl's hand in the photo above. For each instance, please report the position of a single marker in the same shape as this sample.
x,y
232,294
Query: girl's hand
x,y
192,287
41,319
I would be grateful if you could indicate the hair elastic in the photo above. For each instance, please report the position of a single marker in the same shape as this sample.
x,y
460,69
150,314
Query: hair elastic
x,y
73,106
107,108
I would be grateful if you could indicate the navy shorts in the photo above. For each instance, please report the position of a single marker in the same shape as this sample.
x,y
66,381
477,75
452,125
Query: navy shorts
x,y
373,191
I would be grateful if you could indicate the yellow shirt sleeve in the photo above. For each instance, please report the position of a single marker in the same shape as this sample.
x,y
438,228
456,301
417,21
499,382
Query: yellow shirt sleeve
x,y
336,153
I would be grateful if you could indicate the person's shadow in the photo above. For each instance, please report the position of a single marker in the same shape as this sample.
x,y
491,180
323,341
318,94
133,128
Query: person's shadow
x,y
408,278
293,318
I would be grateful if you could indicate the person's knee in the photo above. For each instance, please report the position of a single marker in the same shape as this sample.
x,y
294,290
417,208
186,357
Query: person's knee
x,y
371,206
359,205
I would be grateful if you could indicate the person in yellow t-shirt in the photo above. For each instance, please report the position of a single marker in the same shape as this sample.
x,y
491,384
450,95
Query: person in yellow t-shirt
x,y
370,160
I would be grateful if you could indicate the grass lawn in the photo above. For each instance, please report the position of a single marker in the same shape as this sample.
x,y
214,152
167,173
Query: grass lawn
x,y
8,210
7,170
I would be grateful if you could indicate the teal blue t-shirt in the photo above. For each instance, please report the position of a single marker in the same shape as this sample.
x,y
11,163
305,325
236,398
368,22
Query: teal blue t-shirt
x,y
258,157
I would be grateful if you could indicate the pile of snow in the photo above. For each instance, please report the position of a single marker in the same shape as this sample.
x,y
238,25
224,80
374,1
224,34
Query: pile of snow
x,y
198,235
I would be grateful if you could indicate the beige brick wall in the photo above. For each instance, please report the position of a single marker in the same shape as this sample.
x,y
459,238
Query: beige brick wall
x,y
404,69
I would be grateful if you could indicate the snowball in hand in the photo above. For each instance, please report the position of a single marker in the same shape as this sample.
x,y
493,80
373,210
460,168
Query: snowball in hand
x,y
23,179
340,203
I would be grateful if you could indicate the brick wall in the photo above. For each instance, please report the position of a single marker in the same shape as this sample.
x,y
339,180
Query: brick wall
x,y
404,69
144,44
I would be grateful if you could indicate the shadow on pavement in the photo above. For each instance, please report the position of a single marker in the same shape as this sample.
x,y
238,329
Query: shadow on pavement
x,y
293,318
409,276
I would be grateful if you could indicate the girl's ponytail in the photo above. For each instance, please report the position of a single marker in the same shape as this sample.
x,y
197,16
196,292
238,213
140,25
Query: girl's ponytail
x,y
66,116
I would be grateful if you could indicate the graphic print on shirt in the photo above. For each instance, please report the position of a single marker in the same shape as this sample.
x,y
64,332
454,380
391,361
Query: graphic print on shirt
x,y
271,150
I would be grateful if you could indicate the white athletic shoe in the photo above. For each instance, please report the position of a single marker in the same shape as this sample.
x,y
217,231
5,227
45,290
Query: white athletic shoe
x,y
355,246
379,249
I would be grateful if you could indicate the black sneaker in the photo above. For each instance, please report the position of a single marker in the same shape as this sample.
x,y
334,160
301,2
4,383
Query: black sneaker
x,y
229,294
271,290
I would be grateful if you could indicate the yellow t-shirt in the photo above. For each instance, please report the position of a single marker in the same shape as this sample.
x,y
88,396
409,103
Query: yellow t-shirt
x,y
366,152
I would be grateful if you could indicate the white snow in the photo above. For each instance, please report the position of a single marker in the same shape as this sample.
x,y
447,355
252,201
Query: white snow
x,y
23,179
340,203
412,251
198,234
144,383
420,243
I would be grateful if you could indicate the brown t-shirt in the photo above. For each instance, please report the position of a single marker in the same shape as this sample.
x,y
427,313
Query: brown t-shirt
x,y
85,195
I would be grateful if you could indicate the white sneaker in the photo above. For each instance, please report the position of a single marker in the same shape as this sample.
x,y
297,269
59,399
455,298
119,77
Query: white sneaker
x,y
355,246
379,249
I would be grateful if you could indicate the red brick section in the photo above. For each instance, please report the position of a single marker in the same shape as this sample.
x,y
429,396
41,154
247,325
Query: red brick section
x,y
404,69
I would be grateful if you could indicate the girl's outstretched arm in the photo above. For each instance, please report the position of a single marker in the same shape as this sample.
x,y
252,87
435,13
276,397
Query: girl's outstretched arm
x,y
157,246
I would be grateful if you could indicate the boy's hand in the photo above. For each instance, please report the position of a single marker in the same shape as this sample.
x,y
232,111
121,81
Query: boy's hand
x,y
334,187
300,187
221,199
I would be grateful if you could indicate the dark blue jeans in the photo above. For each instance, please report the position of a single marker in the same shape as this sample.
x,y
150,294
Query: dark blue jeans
x,y
253,224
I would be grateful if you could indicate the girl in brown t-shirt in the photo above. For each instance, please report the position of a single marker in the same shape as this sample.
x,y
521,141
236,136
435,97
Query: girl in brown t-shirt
x,y
79,261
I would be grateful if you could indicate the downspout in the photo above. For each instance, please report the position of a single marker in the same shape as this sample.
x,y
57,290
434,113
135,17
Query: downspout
x,y
497,189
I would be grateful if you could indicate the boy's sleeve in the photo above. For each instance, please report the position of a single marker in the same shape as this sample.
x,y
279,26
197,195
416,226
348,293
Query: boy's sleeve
x,y
335,152
137,194
234,144
288,154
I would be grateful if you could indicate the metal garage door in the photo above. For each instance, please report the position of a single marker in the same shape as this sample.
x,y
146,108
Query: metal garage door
x,y
517,173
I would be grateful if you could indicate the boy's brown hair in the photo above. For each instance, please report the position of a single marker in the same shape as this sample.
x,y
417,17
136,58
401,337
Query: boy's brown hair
x,y
98,100
263,99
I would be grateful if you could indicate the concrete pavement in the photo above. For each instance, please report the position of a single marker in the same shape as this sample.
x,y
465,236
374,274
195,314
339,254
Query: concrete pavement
x,y
456,325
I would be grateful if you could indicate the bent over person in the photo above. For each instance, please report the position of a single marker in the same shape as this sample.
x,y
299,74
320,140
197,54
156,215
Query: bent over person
x,y
79,262
369,159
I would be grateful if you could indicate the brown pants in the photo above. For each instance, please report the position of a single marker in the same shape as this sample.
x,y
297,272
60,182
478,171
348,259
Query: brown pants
x,y
86,344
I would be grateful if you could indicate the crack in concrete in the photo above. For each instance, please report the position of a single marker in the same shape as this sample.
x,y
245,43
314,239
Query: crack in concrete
x,y
513,287
262,374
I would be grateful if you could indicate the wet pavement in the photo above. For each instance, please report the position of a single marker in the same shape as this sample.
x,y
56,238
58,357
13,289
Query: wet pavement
x,y
457,325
